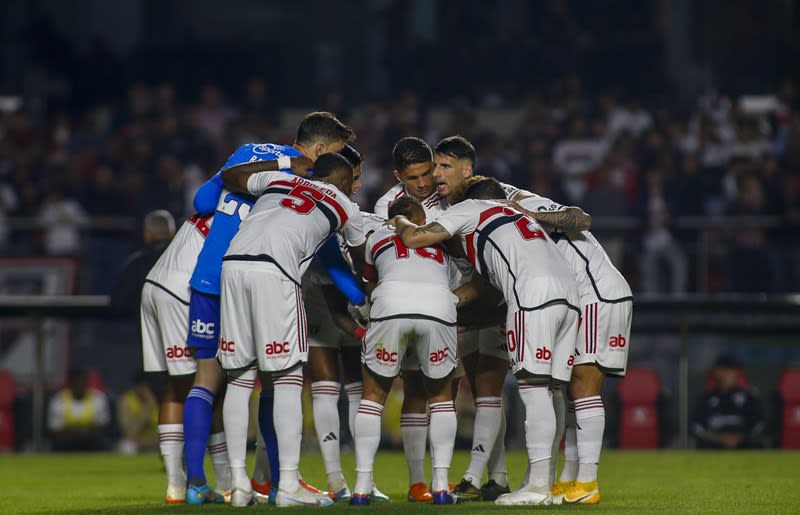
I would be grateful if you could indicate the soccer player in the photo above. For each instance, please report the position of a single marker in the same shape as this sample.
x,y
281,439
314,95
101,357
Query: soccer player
x,y
263,317
317,134
601,350
513,252
413,310
413,168
164,319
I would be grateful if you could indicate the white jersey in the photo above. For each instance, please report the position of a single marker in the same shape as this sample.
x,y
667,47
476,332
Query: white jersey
x,y
410,281
513,252
292,218
176,265
433,205
594,271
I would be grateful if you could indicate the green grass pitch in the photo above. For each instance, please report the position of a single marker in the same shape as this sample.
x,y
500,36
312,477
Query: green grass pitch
x,y
630,482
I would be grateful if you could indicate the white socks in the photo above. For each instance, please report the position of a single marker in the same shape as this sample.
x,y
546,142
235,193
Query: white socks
x,y
488,419
235,416
368,438
497,460
560,408
218,450
325,395
540,421
288,417
443,435
414,429
261,471
170,441
353,391
570,470
590,417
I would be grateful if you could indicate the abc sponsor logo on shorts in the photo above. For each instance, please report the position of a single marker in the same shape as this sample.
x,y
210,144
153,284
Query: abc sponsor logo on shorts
x,y
438,356
275,349
543,354
384,356
227,345
176,352
202,329
617,342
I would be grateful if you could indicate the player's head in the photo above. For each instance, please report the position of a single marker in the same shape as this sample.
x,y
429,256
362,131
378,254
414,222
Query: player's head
x,y
335,169
355,159
454,160
321,132
159,225
413,166
485,188
409,207
726,372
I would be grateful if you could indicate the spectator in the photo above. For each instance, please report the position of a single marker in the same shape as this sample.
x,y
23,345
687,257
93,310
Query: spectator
x,y
728,414
78,416
62,219
137,414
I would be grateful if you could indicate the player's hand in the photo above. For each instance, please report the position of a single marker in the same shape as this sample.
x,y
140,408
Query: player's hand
x,y
392,222
359,313
302,165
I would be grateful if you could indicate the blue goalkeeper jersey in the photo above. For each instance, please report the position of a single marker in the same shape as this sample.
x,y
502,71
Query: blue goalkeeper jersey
x,y
230,210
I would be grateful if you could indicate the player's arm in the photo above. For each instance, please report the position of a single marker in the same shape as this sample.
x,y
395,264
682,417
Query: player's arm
x,y
565,219
477,288
337,305
357,255
414,236
235,178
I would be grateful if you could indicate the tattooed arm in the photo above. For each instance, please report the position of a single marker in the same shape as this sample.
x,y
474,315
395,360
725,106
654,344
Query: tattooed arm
x,y
414,236
569,219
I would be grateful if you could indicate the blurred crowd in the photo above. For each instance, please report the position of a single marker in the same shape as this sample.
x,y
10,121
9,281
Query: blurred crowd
x,y
613,155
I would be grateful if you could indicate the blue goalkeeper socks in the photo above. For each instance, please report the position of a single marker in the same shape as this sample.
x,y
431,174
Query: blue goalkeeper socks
x,y
196,429
267,427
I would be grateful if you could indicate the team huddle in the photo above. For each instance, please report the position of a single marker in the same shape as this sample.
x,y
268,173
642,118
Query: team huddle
x,y
454,276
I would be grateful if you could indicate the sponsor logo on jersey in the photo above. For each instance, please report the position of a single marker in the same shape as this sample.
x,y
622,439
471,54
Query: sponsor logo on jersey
x,y
276,348
617,342
269,148
176,352
543,354
438,356
227,345
202,329
384,356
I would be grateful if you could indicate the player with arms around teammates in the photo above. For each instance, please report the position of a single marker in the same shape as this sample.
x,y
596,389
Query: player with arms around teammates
x,y
317,133
263,316
412,320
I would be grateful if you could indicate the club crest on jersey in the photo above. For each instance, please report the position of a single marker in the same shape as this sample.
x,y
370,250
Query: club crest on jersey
x,y
384,356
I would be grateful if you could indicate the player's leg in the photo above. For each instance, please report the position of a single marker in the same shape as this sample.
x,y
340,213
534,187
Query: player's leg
x,y
236,414
170,435
436,352
325,390
491,426
218,448
414,423
202,339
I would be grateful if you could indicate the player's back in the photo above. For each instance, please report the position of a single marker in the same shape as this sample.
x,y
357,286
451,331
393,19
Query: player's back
x,y
410,281
176,264
291,219
593,269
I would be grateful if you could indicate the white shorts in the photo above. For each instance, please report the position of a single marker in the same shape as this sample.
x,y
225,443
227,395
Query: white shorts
x,y
262,318
604,335
542,341
413,343
165,322
322,330
489,341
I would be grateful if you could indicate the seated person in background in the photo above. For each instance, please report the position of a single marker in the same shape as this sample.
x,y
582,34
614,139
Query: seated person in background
x,y
727,416
137,413
78,416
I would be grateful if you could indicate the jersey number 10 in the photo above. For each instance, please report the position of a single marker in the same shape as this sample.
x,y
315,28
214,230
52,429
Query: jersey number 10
x,y
402,251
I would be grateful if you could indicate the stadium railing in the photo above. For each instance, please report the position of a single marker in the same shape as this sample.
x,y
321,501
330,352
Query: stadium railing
x,y
653,314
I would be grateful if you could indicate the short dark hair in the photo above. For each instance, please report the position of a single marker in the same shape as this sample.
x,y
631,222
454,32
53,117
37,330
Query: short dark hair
x,y
325,126
480,187
352,155
410,151
329,163
406,206
458,147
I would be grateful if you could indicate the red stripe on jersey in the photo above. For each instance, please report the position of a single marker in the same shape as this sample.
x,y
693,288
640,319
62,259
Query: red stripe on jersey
x,y
200,223
331,201
488,213
470,244
381,244
400,193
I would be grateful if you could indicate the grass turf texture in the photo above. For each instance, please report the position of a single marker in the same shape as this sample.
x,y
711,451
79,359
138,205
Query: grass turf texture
x,y
630,482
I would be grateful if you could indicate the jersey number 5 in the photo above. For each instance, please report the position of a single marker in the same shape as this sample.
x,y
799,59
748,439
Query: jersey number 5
x,y
302,199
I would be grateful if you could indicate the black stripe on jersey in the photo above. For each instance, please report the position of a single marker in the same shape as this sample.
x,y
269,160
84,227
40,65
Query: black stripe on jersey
x,y
413,316
620,300
327,211
484,239
161,286
382,250
260,257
